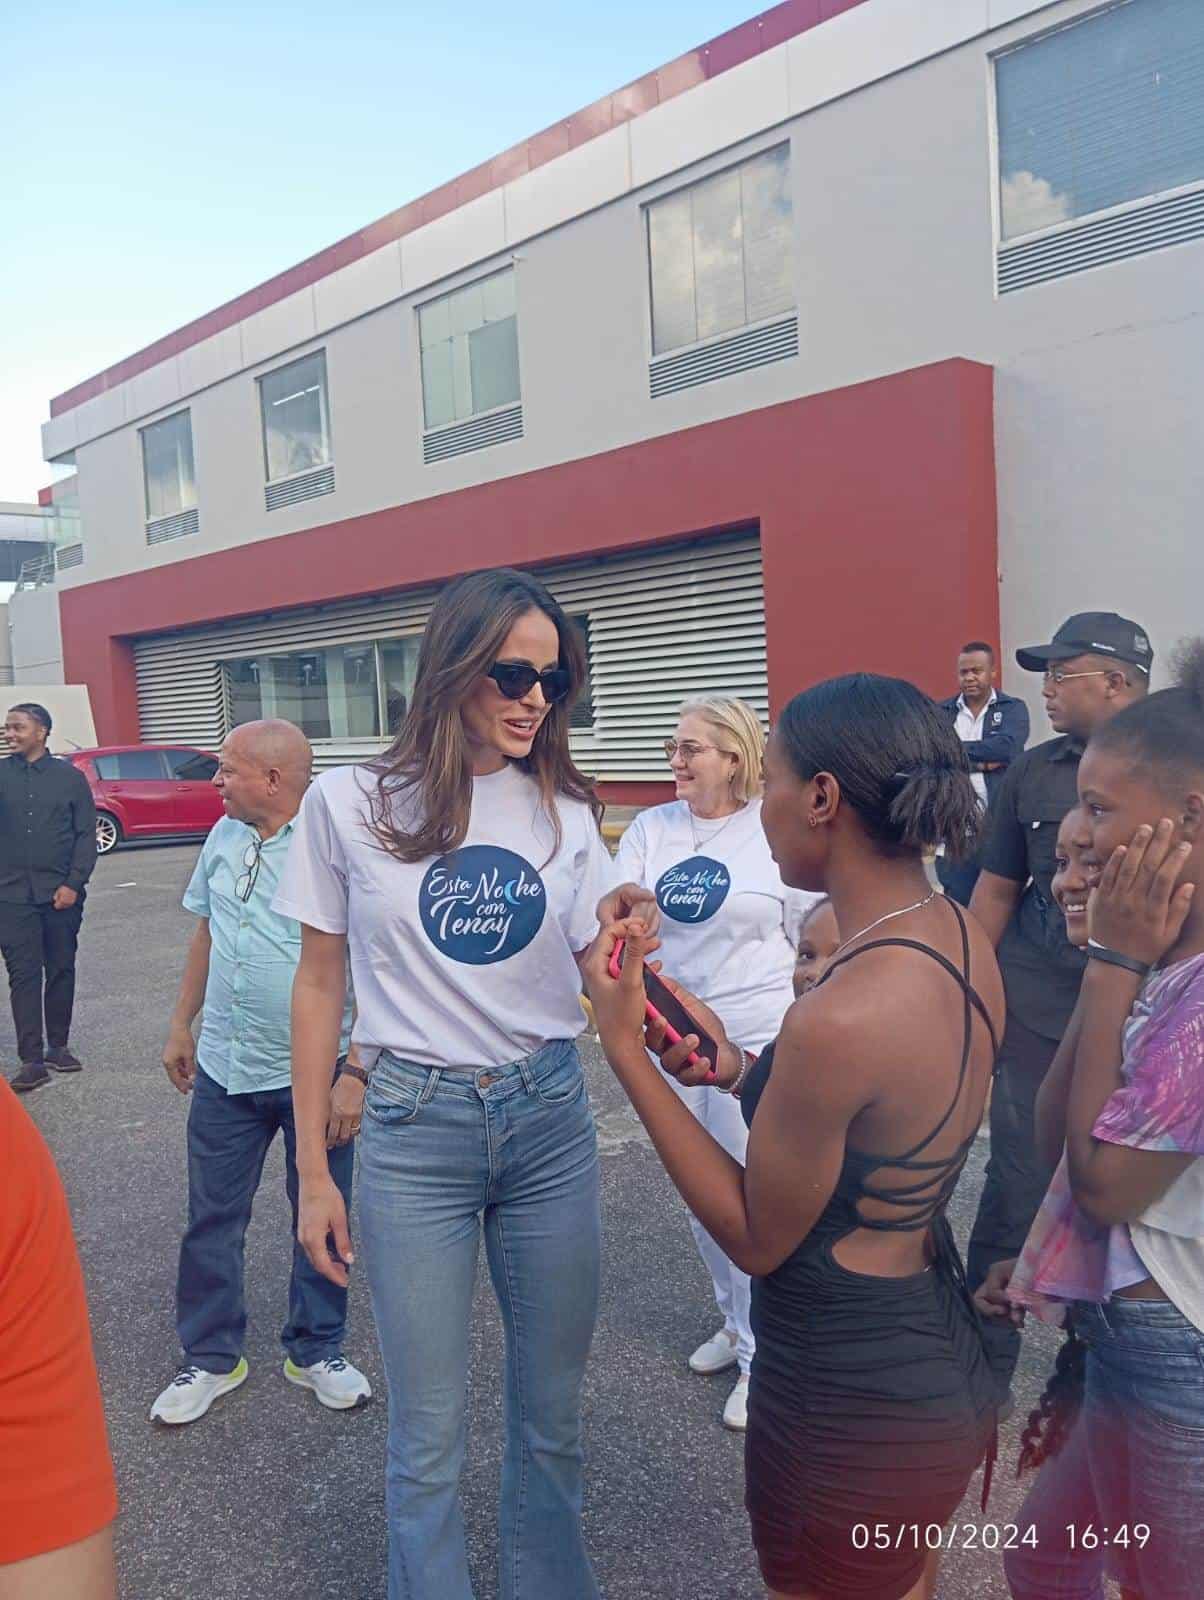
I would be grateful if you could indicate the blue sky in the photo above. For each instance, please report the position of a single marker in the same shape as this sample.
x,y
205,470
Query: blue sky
x,y
174,154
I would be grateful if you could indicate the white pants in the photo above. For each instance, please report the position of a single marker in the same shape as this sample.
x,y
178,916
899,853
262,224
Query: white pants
x,y
721,1116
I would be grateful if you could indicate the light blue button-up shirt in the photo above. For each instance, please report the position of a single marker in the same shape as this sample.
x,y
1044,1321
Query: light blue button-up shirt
x,y
245,1042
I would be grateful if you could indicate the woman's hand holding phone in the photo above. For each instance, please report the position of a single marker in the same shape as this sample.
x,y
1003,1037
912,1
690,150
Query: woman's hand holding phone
x,y
618,1001
620,1008
675,1059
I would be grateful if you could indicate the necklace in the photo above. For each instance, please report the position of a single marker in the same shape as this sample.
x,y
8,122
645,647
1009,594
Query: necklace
x,y
711,837
878,921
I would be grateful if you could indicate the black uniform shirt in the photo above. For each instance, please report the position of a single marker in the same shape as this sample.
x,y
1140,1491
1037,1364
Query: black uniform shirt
x,y
47,829
1042,970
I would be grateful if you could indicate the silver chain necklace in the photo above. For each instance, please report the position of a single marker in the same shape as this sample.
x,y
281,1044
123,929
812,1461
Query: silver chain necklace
x,y
711,837
878,921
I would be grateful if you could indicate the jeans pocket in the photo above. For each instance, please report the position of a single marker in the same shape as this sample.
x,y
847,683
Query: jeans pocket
x,y
391,1101
562,1083
1169,1392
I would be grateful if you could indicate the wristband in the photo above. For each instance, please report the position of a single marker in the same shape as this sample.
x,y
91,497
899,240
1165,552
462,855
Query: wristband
x,y
349,1071
1113,958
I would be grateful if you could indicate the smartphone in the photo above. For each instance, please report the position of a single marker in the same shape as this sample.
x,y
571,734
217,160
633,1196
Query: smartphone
x,y
662,1005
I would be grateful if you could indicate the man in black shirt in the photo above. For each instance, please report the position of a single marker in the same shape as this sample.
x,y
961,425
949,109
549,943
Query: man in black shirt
x,y
1096,664
47,853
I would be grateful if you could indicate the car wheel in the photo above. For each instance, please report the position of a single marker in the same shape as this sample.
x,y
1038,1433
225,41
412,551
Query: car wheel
x,y
108,833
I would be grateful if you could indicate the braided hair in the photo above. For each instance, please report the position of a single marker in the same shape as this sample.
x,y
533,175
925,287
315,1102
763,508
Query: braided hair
x,y
1049,1424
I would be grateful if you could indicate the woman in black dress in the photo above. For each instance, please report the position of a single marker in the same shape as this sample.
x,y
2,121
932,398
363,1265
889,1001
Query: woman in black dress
x,y
871,1402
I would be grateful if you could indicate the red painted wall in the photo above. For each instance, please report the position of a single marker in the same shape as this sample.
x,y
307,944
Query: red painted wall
x,y
876,505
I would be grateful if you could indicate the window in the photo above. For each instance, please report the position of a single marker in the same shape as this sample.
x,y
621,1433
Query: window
x,y
296,418
398,666
349,691
131,766
167,467
191,766
582,714
721,253
1101,113
469,346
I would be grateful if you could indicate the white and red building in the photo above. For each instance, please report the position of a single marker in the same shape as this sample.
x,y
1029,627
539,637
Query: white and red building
x,y
868,327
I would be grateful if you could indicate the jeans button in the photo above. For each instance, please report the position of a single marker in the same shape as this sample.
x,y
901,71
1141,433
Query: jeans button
x,y
487,1079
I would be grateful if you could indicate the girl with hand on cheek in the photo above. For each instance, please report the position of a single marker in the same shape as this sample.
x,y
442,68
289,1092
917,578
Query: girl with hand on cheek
x,y
1117,1250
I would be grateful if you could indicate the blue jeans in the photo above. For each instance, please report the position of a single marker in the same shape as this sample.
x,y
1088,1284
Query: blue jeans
x,y
228,1140
441,1152
1136,1456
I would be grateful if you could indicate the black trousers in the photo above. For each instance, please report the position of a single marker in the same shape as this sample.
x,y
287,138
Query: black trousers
x,y
1016,1178
38,944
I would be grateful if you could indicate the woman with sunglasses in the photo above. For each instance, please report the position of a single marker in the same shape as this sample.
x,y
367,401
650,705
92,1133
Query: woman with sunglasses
x,y
729,930
463,869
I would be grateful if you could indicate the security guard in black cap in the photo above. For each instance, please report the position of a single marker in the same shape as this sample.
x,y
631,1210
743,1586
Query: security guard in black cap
x,y
1096,664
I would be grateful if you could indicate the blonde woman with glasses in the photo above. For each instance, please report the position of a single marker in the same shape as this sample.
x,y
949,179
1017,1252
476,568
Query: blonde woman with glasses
x,y
729,931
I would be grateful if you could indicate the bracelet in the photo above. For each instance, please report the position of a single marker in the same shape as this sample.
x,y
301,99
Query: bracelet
x,y
1114,958
745,1067
347,1070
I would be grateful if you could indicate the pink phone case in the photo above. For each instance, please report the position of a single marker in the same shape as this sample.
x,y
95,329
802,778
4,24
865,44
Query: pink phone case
x,y
653,1015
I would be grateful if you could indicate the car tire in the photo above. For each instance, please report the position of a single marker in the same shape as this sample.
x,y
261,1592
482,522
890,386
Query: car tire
x,y
108,833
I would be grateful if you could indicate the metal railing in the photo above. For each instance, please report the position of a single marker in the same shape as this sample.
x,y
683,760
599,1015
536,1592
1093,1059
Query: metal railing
x,y
36,574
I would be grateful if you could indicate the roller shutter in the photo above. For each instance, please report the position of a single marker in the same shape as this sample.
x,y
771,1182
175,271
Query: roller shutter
x,y
664,623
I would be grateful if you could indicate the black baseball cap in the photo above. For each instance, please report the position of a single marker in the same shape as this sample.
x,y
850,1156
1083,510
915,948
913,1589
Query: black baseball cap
x,y
1092,633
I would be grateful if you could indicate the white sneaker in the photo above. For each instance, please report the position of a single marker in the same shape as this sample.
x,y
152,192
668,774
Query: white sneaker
x,y
735,1412
336,1382
193,1390
716,1355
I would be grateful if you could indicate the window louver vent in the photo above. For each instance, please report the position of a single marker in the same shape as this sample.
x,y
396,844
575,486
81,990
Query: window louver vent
x,y
477,433
304,486
69,555
164,528
1176,220
739,352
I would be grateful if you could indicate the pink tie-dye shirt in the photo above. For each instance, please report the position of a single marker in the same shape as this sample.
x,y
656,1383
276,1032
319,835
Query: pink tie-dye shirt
x,y
1159,1106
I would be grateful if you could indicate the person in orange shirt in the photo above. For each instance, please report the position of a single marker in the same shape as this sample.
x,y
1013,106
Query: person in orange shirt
x,y
58,1497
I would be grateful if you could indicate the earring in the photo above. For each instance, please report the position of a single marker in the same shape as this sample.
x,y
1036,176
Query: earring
x,y
813,822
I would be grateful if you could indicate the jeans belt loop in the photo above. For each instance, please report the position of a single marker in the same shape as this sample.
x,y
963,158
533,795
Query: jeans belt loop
x,y
525,1072
431,1084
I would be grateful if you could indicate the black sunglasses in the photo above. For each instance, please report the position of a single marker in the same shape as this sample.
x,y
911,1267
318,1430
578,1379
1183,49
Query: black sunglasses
x,y
516,679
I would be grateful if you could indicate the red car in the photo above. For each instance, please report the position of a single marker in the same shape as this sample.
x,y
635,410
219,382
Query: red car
x,y
149,791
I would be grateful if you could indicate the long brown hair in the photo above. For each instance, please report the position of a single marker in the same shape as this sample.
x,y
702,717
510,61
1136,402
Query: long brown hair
x,y
428,762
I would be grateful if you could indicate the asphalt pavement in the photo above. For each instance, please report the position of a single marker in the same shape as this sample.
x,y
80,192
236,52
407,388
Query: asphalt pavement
x,y
270,1497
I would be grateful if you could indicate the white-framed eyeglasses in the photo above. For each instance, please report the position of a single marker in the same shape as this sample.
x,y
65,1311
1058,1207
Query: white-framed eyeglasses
x,y
244,887
688,749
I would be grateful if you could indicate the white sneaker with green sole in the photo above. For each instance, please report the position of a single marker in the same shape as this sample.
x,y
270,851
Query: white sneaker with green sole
x,y
193,1390
337,1384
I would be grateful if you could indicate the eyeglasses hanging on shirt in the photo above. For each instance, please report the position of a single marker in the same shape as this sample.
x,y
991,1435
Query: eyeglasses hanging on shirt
x,y
244,888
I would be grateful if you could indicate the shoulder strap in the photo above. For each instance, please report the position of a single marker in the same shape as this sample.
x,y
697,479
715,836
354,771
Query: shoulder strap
x,y
973,998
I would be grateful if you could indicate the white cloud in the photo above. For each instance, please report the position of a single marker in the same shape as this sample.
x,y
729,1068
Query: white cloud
x,y
1029,203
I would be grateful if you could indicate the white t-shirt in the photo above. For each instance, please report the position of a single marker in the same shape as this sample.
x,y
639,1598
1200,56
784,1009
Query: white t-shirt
x,y
729,925
460,961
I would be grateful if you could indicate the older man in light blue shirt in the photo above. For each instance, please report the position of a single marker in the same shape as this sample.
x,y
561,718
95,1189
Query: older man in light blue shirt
x,y
240,973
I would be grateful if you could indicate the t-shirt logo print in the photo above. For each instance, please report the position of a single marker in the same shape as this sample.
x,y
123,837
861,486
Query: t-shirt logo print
x,y
482,904
693,890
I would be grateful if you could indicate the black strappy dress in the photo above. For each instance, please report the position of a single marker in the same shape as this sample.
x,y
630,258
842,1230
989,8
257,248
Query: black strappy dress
x,y
871,1402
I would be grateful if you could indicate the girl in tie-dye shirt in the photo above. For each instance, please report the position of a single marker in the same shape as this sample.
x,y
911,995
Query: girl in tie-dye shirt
x,y
1116,1253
